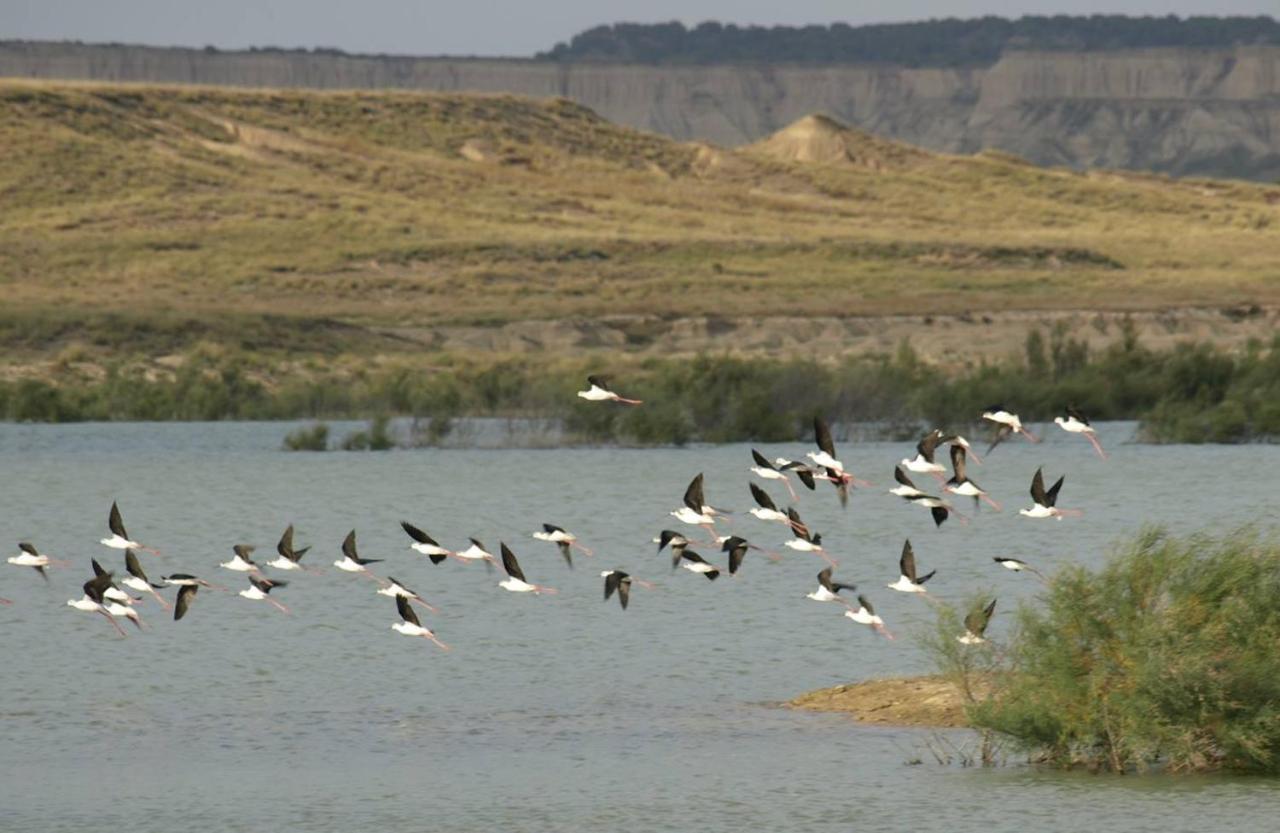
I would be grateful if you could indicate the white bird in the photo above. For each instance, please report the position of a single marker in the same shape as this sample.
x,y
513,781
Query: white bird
x,y
259,588
287,557
1045,502
1008,422
695,563
409,624
765,509
120,539
476,552
242,560
906,488
425,544
960,484
1016,565
828,590
600,392
768,471
93,602
865,614
566,541
28,556
923,462
137,579
396,589
804,540
122,610
908,581
515,580
351,561
1074,422
975,624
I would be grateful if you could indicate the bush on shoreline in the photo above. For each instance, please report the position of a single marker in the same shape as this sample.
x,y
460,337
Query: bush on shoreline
x,y
1165,657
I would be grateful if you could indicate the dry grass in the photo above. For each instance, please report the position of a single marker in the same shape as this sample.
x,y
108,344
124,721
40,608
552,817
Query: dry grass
x,y
397,209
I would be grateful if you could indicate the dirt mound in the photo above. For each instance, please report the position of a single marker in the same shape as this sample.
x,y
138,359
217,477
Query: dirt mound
x,y
819,138
916,701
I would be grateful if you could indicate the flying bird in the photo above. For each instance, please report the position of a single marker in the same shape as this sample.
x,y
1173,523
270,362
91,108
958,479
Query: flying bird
x,y
908,581
476,552
120,539
923,462
599,392
1045,502
1074,422
287,557
1017,565
961,484
765,509
768,471
865,614
351,561
906,488
425,544
828,590
137,579
242,560
29,556
695,563
1007,423
93,601
397,589
804,540
678,543
566,541
515,580
616,581
258,589
409,624
975,624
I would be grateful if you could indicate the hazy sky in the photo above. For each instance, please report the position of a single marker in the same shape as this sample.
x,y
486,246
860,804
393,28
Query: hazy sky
x,y
488,27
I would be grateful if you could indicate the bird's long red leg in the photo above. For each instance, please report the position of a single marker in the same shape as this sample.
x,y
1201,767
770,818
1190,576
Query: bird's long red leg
x,y
6,602
860,483
883,631
1097,446
827,558
973,455
114,623
786,481
585,550
551,591
647,585
625,401
439,644
1028,435
994,503
423,602
163,604
1071,513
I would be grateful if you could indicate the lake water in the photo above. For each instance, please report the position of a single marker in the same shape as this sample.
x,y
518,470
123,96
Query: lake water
x,y
550,713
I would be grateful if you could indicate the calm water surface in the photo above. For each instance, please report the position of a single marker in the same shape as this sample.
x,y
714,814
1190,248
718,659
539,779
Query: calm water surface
x,y
551,713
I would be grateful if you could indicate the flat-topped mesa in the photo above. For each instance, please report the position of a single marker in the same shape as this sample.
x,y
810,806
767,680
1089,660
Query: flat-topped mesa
x,y
820,138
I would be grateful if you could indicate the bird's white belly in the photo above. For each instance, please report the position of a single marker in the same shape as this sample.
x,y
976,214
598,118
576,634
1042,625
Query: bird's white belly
x,y
515,585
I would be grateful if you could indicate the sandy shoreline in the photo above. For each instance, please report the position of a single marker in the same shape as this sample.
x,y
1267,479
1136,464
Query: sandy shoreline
x,y
929,702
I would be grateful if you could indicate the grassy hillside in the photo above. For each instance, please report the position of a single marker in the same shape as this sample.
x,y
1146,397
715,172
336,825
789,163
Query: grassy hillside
x,y
145,219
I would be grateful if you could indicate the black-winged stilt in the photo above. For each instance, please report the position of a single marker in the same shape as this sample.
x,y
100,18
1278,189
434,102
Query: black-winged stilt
x,y
805,540
260,587
1017,565
566,541
1045,502
409,624
975,624
515,580
288,558
29,556
695,563
961,484
241,560
351,561
1007,422
425,544
828,590
93,600
1074,422
397,589
119,539
599,392
908,581
137,579
865,614
768,471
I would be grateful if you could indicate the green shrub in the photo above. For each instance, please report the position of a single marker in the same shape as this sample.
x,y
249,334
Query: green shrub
x,y
315,438
1168,656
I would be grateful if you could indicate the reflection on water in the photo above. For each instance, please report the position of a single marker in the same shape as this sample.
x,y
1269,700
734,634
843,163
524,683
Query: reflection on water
x,y
556,712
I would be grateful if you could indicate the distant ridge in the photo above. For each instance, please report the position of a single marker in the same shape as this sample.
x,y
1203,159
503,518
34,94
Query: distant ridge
x,y
949,42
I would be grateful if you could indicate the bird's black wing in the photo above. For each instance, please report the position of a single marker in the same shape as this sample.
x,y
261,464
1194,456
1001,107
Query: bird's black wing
x,y
822,436
349,546
1052,494
131,564
693,497
866,604
797,525
1076,415
928,445
551,528
940,514
922,579
824,579
98,569
186,595
736,555
510,564
611,583
841,484
406,611
761,460
907,563
417,534
95,587
244,551
666,537
566,552
601,382
285,545
957,462
29,549
762,498
624,590
115,522
1002,431
1037,488
901,476
806,476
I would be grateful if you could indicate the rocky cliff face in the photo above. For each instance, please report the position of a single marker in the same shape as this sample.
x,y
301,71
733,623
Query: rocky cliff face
x,y
1184,112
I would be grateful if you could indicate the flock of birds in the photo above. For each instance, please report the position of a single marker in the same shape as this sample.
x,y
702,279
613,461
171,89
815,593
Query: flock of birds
x,y
115,600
